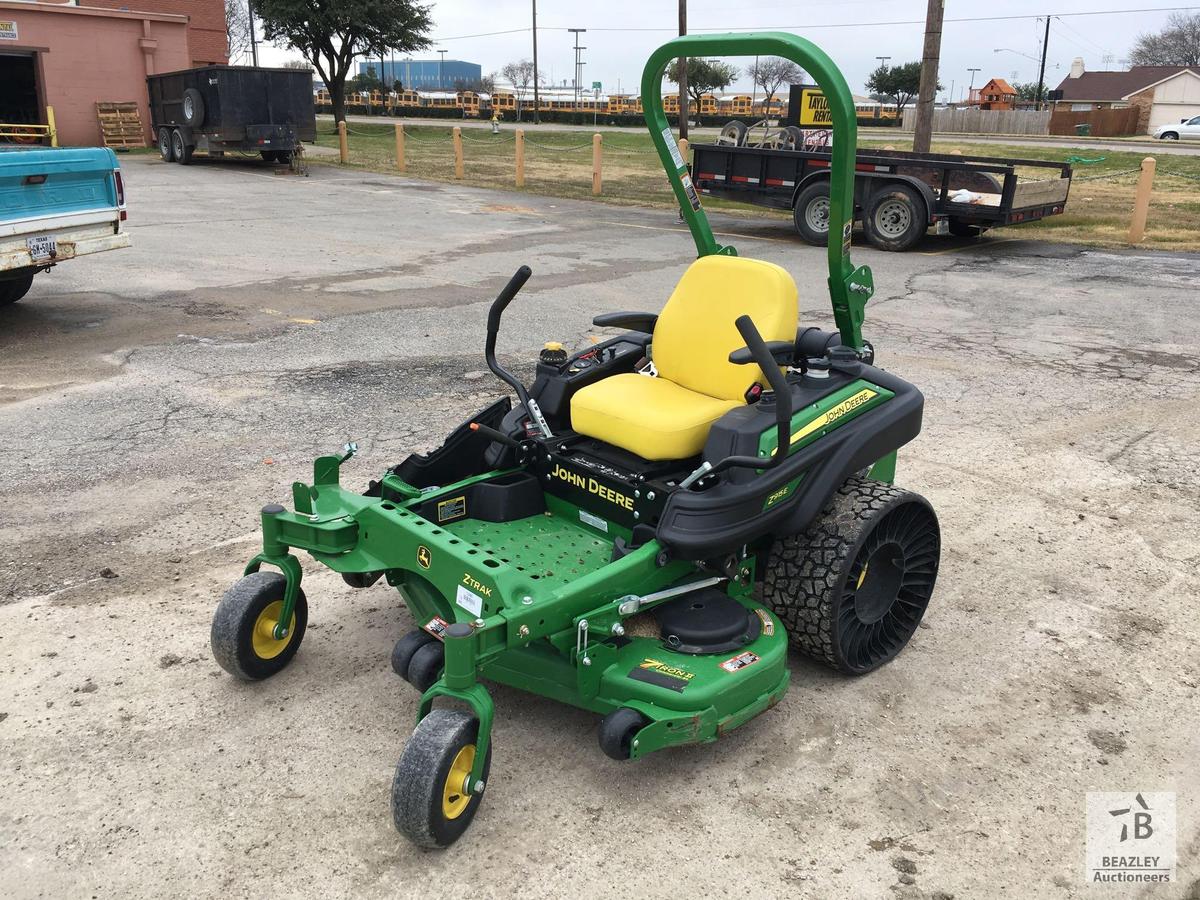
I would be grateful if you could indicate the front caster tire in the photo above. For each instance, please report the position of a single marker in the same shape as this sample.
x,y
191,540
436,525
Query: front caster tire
x,y
243,640
853,587
617,731
430,806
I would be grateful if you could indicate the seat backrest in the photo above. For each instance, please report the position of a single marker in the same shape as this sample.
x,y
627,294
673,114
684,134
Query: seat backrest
x,y
695,332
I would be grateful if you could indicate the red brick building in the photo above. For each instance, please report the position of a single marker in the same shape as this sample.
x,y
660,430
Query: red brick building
x,y
206,23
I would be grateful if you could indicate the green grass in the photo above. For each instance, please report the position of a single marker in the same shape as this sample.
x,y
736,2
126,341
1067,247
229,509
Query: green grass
x,y
559,164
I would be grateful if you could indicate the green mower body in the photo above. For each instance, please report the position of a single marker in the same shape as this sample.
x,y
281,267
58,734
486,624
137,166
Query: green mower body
x,y
659,593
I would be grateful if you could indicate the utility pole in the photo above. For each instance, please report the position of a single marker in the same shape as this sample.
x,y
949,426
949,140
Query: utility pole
x,y
253,40
575,73
442,71
930,56
1042,66
681,63
972,85
536,101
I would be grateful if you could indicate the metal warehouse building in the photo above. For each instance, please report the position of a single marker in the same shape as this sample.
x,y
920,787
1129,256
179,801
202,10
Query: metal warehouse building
x,y
424,74
71,57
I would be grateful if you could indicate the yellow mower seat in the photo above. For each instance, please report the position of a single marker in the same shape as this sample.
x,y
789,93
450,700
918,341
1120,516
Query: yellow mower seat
x,y
668,417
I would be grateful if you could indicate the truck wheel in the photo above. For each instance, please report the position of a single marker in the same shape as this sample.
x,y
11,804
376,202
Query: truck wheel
x,y
895,218
268,155
165,150
180,149
853,587
14,289
811,213
193,108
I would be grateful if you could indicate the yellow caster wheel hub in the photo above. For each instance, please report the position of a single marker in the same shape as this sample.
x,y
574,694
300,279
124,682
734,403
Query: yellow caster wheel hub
x,y
454,794
266,645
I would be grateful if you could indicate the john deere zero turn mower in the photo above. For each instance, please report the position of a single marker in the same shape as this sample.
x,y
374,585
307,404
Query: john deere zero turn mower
x,y
629,537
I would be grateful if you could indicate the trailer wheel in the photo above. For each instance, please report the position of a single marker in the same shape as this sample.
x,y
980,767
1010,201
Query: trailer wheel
x,y
811,213
164,145
733,134
14,289
268,156
180,148
193,107
895,218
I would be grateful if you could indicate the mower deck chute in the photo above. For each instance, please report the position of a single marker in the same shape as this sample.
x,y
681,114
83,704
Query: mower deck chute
x,y
647,529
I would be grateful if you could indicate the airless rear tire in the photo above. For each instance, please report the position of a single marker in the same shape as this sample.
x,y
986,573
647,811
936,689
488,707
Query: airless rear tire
x,y
853,587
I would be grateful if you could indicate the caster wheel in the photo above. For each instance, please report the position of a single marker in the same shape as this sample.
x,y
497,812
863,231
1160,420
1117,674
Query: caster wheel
x,y
853,587
425,666
243,639
617,731
402,653
429,804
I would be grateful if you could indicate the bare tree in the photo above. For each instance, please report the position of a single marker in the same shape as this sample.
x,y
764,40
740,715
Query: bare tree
x,y
298,64
772,72
1178,44
521,76
237,28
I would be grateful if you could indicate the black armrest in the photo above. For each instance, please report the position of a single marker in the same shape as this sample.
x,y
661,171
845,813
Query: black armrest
x,y
634,321
783,352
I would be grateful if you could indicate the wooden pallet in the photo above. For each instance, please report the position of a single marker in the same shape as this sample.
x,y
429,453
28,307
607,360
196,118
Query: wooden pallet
x,y
121,124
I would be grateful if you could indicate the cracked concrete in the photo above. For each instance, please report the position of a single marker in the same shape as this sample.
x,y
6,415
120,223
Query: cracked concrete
x,y
152,400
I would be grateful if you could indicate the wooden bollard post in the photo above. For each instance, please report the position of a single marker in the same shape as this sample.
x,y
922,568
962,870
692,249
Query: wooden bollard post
x,y
520,157
343,144
458,159
683,147
400,164
597,183
1141,201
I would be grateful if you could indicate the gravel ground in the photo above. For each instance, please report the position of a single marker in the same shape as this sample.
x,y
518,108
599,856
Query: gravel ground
x,y
152,400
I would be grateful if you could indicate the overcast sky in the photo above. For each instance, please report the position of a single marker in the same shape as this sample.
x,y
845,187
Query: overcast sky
x,y
853,32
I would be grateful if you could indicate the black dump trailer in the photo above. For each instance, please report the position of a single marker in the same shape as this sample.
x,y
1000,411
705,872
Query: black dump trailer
x,y
220,109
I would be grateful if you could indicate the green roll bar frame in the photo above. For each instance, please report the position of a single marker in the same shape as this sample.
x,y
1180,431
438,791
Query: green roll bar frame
x,y
849,288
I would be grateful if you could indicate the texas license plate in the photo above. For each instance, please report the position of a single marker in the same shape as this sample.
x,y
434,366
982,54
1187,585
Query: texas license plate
x,y
42,246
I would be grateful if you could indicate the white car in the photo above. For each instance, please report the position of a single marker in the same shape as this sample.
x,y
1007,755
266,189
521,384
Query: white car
x,y
1187,129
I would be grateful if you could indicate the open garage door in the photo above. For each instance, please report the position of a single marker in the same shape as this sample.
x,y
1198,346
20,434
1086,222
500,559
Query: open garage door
x,y
19,98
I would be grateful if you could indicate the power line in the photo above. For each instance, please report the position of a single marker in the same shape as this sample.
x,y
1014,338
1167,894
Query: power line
x,y
813,26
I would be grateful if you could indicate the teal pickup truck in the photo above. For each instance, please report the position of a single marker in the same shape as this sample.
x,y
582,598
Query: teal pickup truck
x,y
56,204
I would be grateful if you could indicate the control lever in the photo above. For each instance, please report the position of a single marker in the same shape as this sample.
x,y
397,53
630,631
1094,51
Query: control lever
x,y
758,351
501,302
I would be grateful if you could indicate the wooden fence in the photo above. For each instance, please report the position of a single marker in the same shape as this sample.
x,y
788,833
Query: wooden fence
x,y
984,121
1104,122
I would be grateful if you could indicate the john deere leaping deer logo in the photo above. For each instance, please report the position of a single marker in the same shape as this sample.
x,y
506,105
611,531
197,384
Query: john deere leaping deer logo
x,y
423,557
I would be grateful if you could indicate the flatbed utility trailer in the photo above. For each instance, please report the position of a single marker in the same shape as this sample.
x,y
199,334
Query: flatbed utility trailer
x,y
243,109
897,195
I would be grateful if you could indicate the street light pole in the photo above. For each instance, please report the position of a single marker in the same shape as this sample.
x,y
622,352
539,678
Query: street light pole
x,y
536,100
972,85
575,73
442,71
